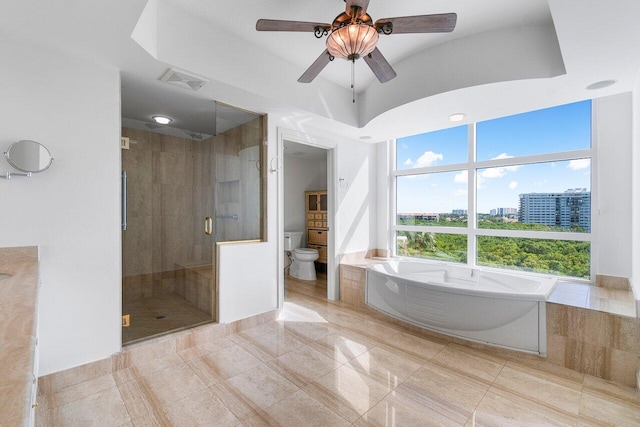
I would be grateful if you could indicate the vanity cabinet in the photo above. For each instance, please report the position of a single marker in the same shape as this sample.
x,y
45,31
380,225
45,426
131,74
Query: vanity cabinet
x,y
316,211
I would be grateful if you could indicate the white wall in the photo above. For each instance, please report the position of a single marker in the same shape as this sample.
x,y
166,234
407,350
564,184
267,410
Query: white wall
x,y
614,202
635,179
72,210
300,175
356,209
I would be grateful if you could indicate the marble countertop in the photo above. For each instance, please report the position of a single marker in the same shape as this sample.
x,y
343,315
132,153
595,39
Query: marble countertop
x,y
18,305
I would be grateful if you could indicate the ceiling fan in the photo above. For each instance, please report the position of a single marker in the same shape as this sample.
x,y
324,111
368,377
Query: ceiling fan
x,y
354,35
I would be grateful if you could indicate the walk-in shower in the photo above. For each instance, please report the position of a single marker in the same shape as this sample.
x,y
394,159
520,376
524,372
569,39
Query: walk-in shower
x,y
186,186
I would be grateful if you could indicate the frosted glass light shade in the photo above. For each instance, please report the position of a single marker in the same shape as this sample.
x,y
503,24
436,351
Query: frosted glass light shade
x,y
352,41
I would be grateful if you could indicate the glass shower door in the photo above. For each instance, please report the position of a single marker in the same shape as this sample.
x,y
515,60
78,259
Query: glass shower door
x,y
167,253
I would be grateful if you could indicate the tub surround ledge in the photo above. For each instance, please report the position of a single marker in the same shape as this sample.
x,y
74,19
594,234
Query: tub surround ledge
x,y
590,329
18,310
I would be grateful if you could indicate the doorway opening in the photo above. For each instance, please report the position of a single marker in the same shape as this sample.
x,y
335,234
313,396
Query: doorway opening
x,y
306,195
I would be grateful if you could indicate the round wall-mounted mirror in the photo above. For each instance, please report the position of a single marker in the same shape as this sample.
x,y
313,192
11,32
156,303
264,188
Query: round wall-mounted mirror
x,y
29,156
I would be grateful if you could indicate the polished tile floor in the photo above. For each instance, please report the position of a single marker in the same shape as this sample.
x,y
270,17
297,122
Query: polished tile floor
x,y
323,364
156,315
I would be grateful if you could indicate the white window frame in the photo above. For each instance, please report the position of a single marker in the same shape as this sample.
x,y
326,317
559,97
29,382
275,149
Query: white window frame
x,y
472,231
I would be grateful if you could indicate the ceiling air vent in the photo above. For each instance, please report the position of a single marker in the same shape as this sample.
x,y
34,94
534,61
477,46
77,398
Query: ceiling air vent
x,y
183,79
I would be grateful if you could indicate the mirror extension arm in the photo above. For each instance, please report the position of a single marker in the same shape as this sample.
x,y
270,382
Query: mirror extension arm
x,y
8,175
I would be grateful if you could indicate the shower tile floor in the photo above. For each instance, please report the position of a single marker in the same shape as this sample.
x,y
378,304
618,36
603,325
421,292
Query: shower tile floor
x,y
156,315
325,364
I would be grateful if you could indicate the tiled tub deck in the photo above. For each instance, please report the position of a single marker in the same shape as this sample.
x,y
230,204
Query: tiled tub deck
x,y
592,330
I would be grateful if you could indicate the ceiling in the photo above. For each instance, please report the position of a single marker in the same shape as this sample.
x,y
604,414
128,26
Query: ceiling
x,y
303,48
504,57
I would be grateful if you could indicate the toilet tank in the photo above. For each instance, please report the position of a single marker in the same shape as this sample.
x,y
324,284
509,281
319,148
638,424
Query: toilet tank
x,y
292,240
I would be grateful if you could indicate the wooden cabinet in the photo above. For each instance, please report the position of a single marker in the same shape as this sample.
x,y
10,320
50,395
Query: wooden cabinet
x,y
316,203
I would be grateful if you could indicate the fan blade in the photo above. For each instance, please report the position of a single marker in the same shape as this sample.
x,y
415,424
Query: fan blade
x,y
442,23
277,25
315,68
362,4
379,65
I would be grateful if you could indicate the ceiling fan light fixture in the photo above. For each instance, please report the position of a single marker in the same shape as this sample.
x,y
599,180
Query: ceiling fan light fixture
x,y
352,41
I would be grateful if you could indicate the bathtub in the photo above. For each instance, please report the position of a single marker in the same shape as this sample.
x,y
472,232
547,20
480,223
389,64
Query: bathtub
x,y
505,310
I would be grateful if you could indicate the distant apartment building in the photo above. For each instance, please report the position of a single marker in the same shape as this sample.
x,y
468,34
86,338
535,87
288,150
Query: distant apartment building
x,y
407,217
459,212
503,211
568,209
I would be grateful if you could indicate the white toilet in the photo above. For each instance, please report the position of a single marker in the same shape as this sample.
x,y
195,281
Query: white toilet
x,y
302,259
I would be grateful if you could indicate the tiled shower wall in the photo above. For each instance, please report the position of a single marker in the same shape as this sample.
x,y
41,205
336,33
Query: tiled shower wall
x,y
170,188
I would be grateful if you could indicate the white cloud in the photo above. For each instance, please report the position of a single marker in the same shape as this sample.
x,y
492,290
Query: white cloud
x,y
428,159
460,192
408,162
579,164
513,185
501,171
462,177
404,145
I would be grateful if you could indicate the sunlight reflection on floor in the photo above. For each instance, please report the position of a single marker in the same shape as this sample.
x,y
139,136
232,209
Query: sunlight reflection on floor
x,y
296,313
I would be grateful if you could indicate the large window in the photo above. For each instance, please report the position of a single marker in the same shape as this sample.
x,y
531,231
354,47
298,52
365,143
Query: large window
x,y
513,192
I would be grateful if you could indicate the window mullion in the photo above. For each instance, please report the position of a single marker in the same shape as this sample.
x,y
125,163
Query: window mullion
x,y
471,196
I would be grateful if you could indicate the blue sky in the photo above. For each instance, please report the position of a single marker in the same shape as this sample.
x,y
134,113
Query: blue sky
x,y
556,129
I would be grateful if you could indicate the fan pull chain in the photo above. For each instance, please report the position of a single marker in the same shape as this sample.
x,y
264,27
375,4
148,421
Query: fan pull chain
x,y
353,80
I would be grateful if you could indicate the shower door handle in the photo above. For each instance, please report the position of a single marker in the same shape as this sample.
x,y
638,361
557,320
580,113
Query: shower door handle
x,y
208,226
124,200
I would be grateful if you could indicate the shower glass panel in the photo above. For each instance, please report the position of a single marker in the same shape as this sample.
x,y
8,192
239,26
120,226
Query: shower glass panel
x,y
186,190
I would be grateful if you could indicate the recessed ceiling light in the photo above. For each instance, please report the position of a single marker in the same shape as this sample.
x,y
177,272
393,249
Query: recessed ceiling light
x,y
366,137
456,117
162,120
601,84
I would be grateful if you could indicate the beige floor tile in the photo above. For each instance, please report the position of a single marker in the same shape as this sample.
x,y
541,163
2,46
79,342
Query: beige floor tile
x,y
206,348
79,391
171,384
266,342
548,368
348,393
450,393
201,409
499,410
241,407
423,348
387,367
396,410
223,364
307,331
261,387
104,408
344,345
300,409
470,362
537,387
158,364
375,329
303,365
343,359
138,403
611,391
602,412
